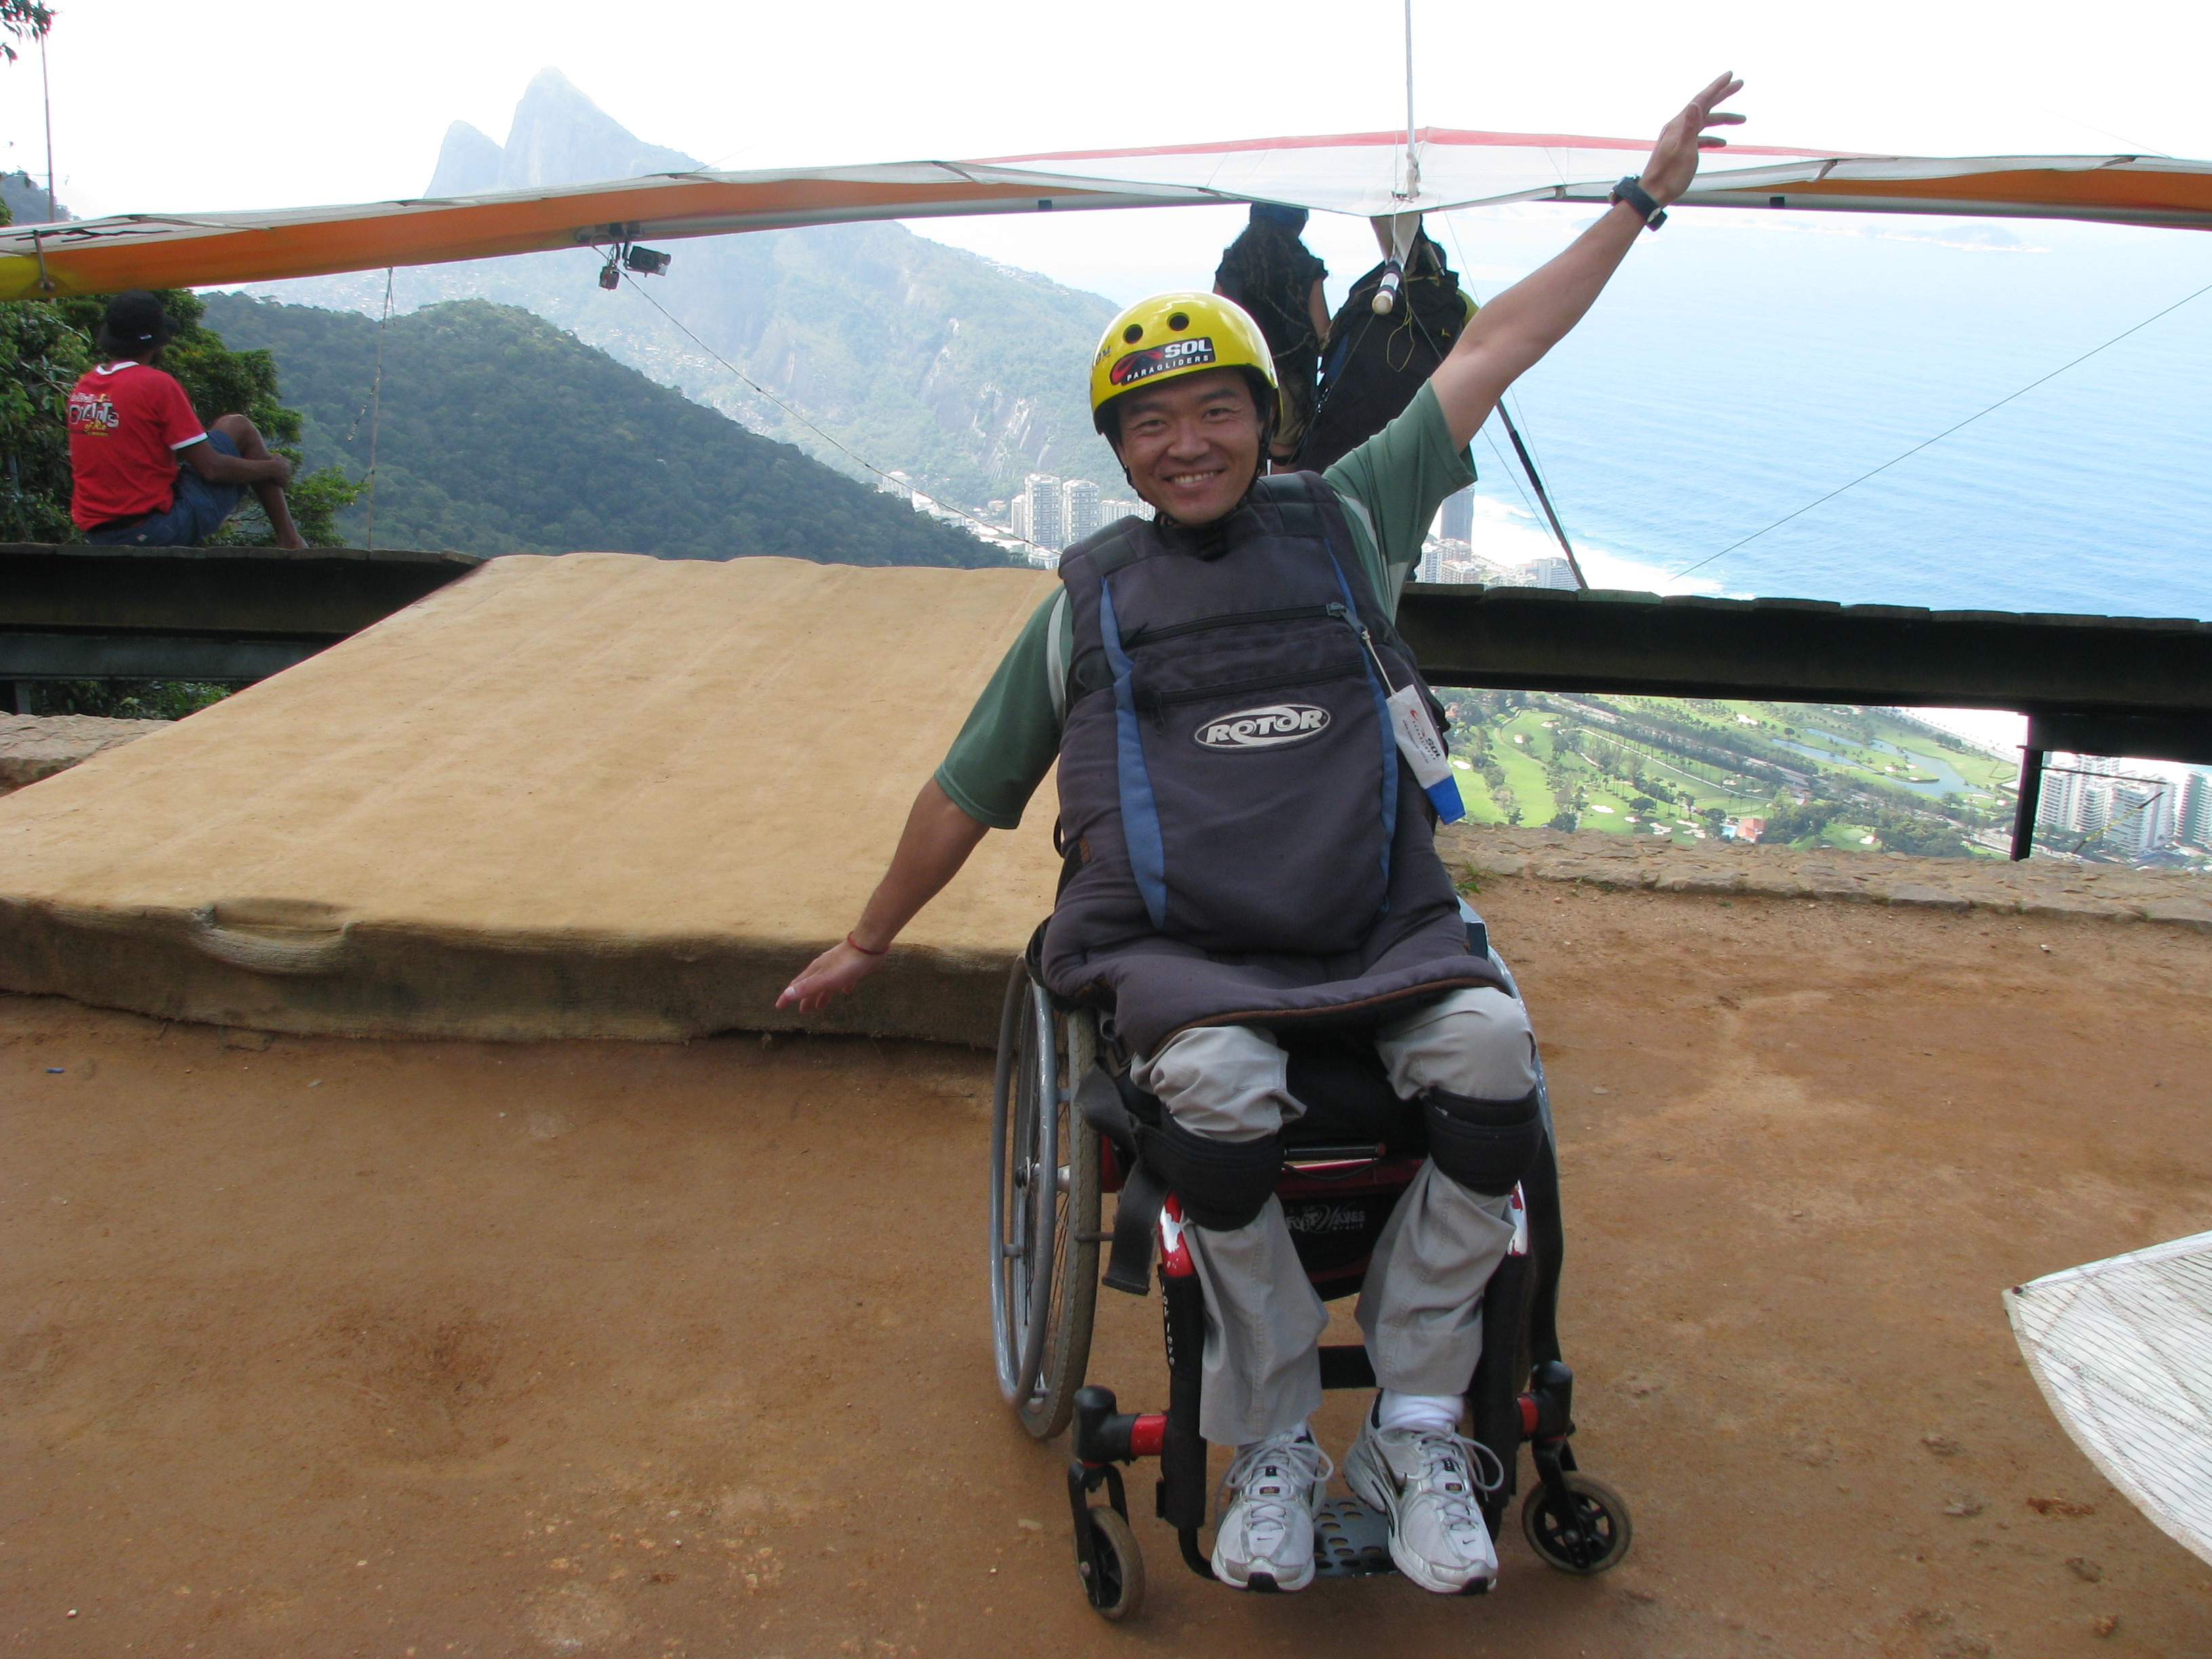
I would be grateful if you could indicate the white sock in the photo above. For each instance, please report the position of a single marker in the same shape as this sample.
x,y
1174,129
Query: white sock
x,y
1438,1413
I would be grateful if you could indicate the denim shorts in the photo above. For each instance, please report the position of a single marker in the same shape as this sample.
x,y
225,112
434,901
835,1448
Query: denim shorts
x,y
196,514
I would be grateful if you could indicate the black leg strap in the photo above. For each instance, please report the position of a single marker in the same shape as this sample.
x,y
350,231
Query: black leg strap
x,y
1129,1263
1485,1145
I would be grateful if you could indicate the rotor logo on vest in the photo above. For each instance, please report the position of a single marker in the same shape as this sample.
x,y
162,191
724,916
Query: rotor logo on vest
x,y
1271,727
1161,359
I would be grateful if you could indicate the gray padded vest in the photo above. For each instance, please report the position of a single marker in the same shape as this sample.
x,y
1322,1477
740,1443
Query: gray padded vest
x,y
1241,844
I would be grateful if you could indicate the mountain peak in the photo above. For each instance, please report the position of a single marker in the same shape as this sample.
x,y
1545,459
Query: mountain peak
x,y
468,162
559,136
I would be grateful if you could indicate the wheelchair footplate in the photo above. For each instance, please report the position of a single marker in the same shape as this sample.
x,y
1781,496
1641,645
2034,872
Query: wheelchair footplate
x,y
1351,1541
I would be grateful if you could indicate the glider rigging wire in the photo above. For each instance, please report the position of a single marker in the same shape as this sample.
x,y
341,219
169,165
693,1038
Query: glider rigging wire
x,y
376,409
1520,447
1944,434
859,459
46,93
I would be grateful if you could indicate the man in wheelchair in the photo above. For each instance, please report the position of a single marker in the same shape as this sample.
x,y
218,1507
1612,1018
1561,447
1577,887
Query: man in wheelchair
x,y
1245,853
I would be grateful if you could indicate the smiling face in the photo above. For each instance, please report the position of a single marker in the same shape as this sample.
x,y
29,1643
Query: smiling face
x,y
1192,446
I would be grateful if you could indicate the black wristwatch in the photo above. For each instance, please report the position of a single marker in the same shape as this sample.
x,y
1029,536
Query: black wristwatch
x,y
1630,190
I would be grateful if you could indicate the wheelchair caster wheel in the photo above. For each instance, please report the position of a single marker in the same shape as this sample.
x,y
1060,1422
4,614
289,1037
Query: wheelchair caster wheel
x,y
1589,1537
1115,1583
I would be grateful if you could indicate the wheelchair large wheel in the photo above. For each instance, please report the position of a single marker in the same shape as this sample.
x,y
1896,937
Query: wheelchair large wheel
x,y
1044,1208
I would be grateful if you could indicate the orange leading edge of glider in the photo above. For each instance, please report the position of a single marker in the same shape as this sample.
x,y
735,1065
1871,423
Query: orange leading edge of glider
x,y
1348,173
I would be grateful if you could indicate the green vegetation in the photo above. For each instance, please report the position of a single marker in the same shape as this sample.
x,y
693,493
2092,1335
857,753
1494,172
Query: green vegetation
x,y
26,20
496,432
126,700
1818,774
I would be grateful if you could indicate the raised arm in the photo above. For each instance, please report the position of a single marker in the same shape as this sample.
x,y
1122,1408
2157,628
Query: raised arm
x,y
937,841
1509,334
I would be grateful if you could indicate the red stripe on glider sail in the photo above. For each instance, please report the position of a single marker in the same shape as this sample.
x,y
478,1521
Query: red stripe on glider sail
x,y
1426,135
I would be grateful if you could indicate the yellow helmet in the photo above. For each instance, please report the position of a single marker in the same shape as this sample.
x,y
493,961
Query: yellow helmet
x,y
1175,334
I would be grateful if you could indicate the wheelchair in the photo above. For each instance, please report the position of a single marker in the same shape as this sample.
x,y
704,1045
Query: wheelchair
x,y
1061,1137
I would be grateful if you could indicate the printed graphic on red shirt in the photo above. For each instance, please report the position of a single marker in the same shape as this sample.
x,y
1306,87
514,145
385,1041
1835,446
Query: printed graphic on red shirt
x,y
126,424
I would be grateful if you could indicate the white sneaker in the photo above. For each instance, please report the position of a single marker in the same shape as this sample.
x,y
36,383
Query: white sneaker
x,y
1264,1540
1428,1483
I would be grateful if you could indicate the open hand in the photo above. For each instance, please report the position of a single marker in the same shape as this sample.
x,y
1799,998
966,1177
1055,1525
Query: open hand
x,y
832,975
1674,161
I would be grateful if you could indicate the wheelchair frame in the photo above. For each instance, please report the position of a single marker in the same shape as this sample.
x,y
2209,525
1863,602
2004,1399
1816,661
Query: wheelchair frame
x,y
1044,1243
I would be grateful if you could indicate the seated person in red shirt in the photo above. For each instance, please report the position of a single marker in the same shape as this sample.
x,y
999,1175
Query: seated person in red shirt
x,y
147,473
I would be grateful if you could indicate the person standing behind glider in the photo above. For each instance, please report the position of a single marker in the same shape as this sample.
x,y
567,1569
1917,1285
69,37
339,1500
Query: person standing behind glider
x,y
1378,361
1216,889
144,471
1269,271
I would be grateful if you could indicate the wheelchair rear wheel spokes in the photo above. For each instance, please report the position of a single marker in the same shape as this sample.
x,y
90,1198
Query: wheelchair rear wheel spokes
x,y
1073,1293
1044,1209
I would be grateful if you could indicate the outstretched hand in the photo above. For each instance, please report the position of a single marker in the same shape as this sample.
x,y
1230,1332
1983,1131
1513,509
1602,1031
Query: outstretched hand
x,y
1673,162
832,975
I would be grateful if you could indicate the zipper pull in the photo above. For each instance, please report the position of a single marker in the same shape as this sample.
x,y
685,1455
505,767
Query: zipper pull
x,y
1368,641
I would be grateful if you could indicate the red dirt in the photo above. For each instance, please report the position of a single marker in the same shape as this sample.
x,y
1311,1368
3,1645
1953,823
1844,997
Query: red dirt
x,y
377,1348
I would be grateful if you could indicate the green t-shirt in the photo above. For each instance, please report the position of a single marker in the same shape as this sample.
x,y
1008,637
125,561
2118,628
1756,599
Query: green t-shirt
x,y
1391,486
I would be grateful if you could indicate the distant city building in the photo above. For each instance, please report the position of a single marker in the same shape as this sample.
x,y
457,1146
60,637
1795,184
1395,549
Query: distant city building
x,y
1043,505
1078,509
1455,523
2193,812
1745,830
1551,571
2091,798
1057,513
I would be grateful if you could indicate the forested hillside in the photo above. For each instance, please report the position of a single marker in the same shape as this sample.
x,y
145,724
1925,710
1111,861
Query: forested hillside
x,y
963,372
500,433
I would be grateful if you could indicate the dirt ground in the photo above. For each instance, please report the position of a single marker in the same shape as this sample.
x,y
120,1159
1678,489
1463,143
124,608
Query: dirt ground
x,y
336,1348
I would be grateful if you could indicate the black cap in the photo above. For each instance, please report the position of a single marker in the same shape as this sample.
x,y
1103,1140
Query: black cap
x,y
135,322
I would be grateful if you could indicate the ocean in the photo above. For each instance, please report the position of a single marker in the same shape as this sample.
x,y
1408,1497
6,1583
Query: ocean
x,y
1736,376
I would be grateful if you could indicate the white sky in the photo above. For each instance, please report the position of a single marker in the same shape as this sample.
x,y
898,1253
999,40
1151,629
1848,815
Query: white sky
x,y
307,102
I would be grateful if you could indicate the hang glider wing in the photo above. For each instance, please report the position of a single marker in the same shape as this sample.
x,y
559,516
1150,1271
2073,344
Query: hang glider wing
x,y
148,250
1348,172
1362,173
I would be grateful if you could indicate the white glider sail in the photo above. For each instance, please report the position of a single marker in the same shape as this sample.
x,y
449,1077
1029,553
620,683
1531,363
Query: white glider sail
x,y
2123,1352
1344,172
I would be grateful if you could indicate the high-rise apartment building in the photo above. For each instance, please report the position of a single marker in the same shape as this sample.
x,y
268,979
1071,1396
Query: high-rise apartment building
x,y
1551,571
2193,811
1047,515
1079,509
1455,523
2092,798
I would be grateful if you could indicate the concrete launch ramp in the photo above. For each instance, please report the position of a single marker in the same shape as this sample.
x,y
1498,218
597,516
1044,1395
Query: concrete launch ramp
x,y
599,795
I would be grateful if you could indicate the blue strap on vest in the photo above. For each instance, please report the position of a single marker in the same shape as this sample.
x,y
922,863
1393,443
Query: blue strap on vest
x,y
1140,813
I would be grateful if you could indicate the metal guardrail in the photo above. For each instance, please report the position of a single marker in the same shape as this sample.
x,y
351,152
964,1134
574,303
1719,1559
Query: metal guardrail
x,y
2107,685
2096,685
1808,651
